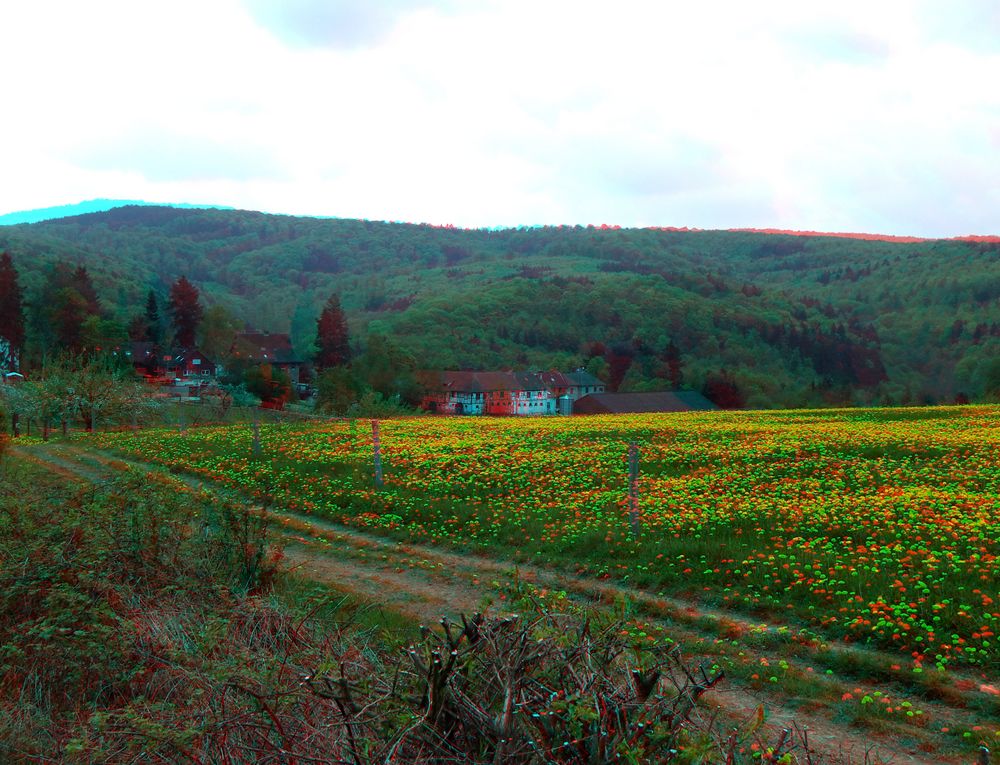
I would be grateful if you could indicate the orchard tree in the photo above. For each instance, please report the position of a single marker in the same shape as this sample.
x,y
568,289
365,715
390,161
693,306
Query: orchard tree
x,y
185,311
11,315
332,342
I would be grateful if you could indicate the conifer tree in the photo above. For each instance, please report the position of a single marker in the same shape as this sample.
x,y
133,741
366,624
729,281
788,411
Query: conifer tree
x,y
332,342
85,287
185,311
11,314
153,330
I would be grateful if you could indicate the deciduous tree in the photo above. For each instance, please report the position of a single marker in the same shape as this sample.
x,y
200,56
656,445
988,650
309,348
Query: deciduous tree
x,y
270,384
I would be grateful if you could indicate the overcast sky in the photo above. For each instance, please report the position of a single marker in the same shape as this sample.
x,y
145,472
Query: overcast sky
x,y
872,115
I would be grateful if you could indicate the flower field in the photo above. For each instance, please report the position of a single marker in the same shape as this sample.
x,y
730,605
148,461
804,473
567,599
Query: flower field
x,y
877,526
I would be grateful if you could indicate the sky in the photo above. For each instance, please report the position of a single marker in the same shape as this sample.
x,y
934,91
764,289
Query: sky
x,y
878,116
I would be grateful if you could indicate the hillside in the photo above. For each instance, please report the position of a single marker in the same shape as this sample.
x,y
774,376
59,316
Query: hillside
x,y
80,208
793,319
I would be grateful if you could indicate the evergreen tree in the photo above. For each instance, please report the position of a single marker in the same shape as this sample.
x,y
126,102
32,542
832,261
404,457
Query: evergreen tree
x,y
85,288
138,328
11,314
185,311
153,331
333,345
672,366
724,391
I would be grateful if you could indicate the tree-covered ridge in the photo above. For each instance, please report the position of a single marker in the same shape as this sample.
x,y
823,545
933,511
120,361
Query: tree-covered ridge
x,y
794,319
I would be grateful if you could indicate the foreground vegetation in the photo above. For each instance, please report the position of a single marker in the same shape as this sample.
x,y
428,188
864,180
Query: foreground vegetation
x,y
876,527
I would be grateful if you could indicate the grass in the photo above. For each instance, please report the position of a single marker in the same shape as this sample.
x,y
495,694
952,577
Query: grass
x,y
871,526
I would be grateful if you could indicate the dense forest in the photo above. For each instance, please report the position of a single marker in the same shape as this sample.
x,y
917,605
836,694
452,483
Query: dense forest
x,y
790,320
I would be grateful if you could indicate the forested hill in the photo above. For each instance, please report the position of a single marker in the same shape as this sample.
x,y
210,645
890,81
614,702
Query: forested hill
x,y
791,319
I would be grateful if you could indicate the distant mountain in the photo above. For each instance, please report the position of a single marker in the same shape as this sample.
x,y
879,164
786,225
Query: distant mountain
x,y
791,319
81,208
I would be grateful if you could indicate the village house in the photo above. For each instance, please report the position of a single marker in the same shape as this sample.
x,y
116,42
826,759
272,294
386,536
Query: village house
x,y
153,363
272,348
191,362
506,393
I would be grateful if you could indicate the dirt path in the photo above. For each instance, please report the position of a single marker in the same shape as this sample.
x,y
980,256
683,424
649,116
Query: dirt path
x,y
425,583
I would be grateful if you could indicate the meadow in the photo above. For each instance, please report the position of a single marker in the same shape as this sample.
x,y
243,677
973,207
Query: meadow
x,y
879,527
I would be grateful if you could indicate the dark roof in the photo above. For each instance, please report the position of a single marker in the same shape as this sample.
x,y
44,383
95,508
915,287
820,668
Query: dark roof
x,y
273,347
582,377
555,379
192,353
478,382
634,403
578,379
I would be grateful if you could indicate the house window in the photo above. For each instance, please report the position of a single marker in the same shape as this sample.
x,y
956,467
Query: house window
x,y
196,362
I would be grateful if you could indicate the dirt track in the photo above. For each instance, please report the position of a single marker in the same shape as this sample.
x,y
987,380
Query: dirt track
x,y
425,583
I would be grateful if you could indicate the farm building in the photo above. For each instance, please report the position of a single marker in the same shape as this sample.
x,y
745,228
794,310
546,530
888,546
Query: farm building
x,y
636,403
510,393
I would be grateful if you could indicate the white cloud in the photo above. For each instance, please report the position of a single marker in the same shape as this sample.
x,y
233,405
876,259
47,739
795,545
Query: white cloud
x,y
854,115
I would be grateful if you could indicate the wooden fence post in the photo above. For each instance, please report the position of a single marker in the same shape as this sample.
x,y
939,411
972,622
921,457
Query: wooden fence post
x,y
633,488
256,435
378,455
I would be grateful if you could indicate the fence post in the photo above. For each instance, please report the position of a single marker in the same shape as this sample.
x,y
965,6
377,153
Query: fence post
x,y
378,455
633,488
256,435
14,429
